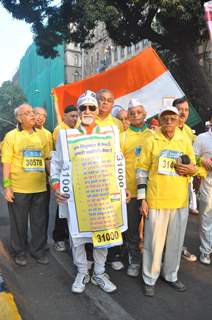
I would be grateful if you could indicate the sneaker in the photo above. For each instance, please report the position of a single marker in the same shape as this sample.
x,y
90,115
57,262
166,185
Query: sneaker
x,y
117,265
205,258
79,283
176,285
42,260
133,270
21,261
103,280
149,291
60,246
188,256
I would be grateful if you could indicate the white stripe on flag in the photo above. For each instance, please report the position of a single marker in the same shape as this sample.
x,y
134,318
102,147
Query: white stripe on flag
x,y
151,96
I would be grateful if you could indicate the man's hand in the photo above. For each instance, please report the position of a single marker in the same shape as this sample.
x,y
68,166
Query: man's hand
x,y
128,196
61,197
185,169
207,163
8,194
144,209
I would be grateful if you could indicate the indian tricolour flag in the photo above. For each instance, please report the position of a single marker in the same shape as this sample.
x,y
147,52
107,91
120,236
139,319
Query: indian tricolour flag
x,y
144,77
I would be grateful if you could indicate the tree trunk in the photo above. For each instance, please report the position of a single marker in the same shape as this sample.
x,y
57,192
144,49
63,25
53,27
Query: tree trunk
x,y
194,82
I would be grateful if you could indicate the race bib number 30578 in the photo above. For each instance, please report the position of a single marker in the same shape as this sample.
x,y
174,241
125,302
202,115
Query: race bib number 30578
x,y
33,161
107,238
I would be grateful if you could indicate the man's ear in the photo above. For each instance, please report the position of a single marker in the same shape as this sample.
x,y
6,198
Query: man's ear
x,y
18,118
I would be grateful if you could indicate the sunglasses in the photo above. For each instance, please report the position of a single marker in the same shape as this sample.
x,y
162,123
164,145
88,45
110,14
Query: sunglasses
x,y
84,107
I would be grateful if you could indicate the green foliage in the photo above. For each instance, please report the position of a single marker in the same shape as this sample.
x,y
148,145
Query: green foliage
x,y
10,97
127,22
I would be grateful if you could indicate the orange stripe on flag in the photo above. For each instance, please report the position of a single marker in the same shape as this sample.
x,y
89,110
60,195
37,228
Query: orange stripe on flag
x,y
121,80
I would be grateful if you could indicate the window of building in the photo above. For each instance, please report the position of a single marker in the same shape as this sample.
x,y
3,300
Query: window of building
x,y
129,50
97,56
122,52
137,46
115,54
76,60
76,76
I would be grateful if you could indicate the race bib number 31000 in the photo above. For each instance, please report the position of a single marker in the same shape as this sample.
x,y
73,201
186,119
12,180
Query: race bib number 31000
x,y
167,161
33,161
107,238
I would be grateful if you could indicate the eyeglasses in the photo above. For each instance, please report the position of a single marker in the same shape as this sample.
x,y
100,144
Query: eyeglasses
x,y
169,118
40,114
84,107
109,100
27,114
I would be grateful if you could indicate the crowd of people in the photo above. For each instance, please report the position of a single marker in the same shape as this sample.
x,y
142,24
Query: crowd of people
x,y
165,161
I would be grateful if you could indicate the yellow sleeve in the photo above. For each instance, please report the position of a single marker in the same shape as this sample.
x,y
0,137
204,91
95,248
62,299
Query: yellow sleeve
x,y
122,141
190,152
55,135
119,125
145,159
7,148
50,141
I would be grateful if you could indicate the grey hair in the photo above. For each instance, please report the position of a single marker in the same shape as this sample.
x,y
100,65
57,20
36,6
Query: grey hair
x,y
101,91
16,110
35,109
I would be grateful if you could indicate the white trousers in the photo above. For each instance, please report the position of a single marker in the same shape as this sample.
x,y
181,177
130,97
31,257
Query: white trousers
x,y
192,197
80,259
205,210
164,232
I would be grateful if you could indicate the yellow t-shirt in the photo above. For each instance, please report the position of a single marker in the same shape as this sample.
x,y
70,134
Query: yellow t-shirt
x,y
188,133
110,121
26,153
132,142
49,138
165,188
62,125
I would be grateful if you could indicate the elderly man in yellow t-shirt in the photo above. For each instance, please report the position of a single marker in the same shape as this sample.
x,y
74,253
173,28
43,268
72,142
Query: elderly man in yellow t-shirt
x,y
162,178
24,152
132,141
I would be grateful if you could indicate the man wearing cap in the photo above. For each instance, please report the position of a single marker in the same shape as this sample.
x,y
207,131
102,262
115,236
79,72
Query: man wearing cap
x,y
182,106
132,141
24,152
105,100
60,232
162,182
88,109
203,150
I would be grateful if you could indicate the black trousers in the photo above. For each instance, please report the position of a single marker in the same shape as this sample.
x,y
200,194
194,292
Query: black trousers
x,y
132,234
60,232
28,207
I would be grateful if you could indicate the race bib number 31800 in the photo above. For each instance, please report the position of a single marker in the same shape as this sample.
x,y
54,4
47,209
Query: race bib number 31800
x,y
33,161
107,238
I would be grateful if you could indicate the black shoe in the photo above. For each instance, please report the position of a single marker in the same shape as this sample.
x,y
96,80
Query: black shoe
x,y
21,261
149,291
43,260
177,285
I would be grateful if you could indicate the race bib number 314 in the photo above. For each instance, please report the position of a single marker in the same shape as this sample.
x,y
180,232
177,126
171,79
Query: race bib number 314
x,y
167,161
107,238
33,161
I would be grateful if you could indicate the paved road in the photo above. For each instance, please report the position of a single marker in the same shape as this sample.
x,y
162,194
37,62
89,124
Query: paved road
x,y
43,292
